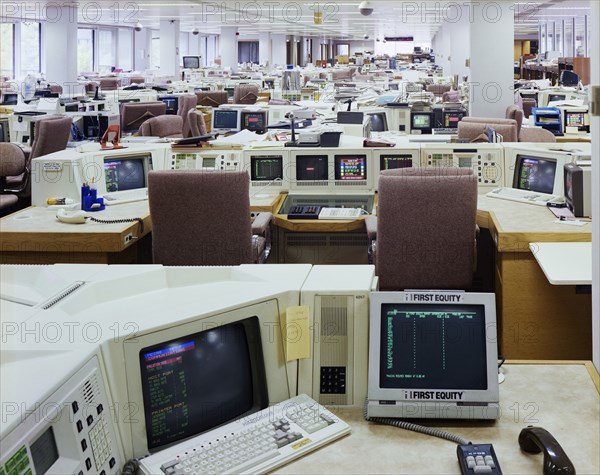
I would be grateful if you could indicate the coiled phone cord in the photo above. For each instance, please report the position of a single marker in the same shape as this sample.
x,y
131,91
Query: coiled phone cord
x,y
119,221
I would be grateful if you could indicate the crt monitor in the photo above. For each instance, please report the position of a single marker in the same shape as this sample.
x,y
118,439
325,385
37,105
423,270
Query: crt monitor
x,y
312,167
350,167
534,173
200,381
392,161
556,97
393,86
569,78
191,62
433,354
172,103
126,172
255,121
422,121
579,119
452,118
266,168
225,120
378,122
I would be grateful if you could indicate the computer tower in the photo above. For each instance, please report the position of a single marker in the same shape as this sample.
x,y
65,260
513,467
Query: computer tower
x,y
94,126
338,298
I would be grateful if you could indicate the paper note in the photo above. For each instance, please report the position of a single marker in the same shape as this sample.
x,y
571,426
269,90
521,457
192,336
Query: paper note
x,y
296,333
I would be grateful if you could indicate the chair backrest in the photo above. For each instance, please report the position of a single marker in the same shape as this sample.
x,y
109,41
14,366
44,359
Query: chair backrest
x,y
516,113
450,96
191,222
136,80
536,134
187,102
438,89
196,123
109,84
426,225
51,135
12,161
245,94
162,126
133,114
212,98
469,128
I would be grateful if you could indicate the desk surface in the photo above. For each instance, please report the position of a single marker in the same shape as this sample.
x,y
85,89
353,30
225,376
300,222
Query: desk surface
x,y
570,412
564,263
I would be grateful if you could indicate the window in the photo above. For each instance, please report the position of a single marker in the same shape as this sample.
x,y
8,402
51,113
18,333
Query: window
x,y
30,48
184,46
85,50
155,53
107,51
248,52
7,49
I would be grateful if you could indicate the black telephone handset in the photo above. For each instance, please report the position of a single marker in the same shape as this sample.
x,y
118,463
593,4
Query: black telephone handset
x,y
535,439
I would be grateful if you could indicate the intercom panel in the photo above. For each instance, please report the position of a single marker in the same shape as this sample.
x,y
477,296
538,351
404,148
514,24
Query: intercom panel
x,y
205,160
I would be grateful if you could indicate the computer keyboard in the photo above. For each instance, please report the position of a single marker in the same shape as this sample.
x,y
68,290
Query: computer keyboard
x,y
340,213
258,443
524,196
126,196
444,131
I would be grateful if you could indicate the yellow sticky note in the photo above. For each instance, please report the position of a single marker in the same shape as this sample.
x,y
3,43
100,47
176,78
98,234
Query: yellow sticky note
x,y
296,332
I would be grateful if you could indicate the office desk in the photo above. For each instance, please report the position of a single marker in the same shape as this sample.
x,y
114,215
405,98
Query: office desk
x,y
536,320
564,263
532,394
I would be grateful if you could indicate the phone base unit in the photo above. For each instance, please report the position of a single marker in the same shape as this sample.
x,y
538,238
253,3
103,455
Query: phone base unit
x,y
204,160
486,161
478,458
338,297
70,432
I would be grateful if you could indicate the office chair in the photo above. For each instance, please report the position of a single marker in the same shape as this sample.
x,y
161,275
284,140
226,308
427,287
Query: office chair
x,y
136,80
212,98
450,96
170,126
133,114
471,128
197,123
438,90
424,235
569,78
187,102
109,84
13,165
203,218
245,94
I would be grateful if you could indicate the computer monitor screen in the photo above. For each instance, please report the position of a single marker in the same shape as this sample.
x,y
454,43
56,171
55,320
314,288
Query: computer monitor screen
x,y
391,162
311,167
4,137
266,168
535,174
379,122
350,167
421,121
433,355
254,120
569,78
198,382
451,119
126,173
226,119
556,97
10,99
191,62
575,119
393,86
171,103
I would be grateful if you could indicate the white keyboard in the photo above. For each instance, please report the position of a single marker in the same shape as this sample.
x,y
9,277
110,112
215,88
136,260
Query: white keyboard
x,y
126,196
524,196
340,213
257,443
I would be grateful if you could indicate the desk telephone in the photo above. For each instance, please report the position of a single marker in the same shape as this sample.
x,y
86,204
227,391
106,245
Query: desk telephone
x,y
80,217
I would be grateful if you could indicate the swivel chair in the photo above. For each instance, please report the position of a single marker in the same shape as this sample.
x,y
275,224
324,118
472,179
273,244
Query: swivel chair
x,y
197,123
133,114
424,235
212,98
245,94
170,126
13,164
187,102
203,218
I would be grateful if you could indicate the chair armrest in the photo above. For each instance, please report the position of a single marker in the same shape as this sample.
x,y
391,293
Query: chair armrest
x,y
371,225
260,225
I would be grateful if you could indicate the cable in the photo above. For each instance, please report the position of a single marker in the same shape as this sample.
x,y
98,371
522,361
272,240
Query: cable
x,y
131,467
390,421
119,221
502,360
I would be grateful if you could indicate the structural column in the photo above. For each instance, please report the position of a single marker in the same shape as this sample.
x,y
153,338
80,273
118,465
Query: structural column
x,y
264,47
315,50
229,47
279,46
169,48
60,46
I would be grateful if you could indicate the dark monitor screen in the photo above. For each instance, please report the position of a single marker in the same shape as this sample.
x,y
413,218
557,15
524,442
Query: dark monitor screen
x,y
556,97
266,168
125,173
254,120
393,87
195,383
421,121
171,103
9,99
191,62
574,119
451,119
4,132
535,174
225,119
230,91
391,162
350,167
311,167
426,346
379,122
44,452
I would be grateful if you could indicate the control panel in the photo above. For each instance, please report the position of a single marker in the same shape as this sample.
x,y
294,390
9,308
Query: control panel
x,y
204,160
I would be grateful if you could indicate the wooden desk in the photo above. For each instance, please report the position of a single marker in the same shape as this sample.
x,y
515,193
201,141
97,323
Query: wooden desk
x,y
532,394
536,320
564,263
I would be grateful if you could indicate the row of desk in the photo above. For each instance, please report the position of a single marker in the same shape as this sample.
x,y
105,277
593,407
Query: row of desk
x,y
537,320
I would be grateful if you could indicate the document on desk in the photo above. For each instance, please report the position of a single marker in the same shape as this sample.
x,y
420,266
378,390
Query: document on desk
x,y
245,137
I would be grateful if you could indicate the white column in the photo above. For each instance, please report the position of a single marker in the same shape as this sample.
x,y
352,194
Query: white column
x,y
169,48
125,49
316,50
278,52
460,39
264,47
228,47
142,42
492,76
595,128
60,46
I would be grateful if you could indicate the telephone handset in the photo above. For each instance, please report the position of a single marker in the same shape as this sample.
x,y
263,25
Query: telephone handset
x,y
536,439
72,217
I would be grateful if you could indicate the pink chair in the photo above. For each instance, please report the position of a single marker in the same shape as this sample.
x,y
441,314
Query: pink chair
x,y
197,123
186,103
245,94
13,164
170,126
212,98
